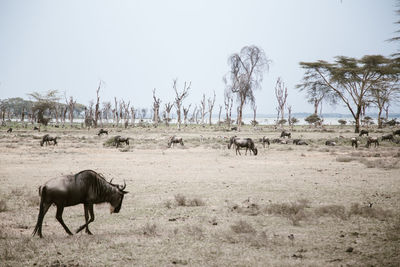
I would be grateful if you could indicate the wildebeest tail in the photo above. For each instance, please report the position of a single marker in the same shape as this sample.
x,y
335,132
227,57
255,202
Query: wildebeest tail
x,y
42,194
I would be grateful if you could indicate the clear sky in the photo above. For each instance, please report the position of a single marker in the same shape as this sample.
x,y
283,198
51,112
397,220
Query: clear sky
x,y
135,46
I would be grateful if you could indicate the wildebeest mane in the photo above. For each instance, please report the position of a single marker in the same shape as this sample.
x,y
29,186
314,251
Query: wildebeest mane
x,y
95,182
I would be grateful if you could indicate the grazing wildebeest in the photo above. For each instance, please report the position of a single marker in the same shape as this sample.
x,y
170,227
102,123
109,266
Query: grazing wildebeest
x,y
9,130
301,143
175,140
362,132
285,133
388,137
276,141
264,141
243,143
330,143
36,129
295,141
102,131
47,139
354,142
234,128
372,140
397,132
118,140
87,188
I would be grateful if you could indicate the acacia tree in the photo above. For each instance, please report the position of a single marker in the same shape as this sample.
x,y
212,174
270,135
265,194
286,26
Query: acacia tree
x,y
350,79
211,102
246,75
179,97
281,96
44,103
382,94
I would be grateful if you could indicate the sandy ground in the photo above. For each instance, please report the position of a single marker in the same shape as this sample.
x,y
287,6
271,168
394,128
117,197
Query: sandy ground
x,y
238,207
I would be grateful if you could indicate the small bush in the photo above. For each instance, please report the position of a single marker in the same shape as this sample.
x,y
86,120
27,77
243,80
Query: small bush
x,y
369,212
344,159
196,202
180,200
149,229
332,210
3,205
293,211
242,227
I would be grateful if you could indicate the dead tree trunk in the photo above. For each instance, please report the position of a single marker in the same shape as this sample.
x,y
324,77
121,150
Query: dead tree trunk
x,y
97,107
211,103
156,108
203,108
168,107
185,114
179,97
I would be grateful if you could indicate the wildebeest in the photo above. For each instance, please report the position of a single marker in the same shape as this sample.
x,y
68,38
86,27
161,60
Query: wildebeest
x,y
330,143
372,140
118,140
87,188
264,141
285,133
362,132
36,128
102,131
175,140
300,142
243,143
397,132
388,137
9,130
47,139
354,142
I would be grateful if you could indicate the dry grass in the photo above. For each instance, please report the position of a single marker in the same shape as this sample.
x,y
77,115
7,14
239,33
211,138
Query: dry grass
x,y
369,212
242,227
182,200
338,211
3,205
344,159
294,211
149,229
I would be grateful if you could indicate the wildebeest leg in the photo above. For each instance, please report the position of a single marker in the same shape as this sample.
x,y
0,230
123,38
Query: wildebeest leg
x,y
88,209
44,207
60,210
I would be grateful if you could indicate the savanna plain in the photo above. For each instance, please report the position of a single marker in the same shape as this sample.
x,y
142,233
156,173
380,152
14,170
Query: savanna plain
x,y
201,204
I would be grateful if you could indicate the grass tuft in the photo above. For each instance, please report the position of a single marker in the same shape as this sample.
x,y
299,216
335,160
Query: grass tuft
x,y
242,227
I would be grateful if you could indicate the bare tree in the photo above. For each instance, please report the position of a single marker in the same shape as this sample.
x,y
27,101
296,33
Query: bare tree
x,y
203,108
156,108
211,102
97,108
247,68
179,97
115,112
133,116
185,114
219,114
281,96
289,107
106,109
125,107
168,107
71,107
254,121
228,102
193,117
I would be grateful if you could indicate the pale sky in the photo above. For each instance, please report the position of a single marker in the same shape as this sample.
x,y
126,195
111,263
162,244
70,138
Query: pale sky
x,y
135,46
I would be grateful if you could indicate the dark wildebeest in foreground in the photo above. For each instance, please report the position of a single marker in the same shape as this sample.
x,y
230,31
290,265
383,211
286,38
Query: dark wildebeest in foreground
x,y
285,133
388,137
87,188
118,140
330,143
372,140
243,143
397,132
175,140
354,142
102,131
9,130
47,139
264,141
362,132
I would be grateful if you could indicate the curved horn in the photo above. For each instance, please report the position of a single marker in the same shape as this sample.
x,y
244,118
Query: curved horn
x,y
124,186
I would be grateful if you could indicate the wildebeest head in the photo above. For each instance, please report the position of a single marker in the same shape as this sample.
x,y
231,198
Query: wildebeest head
x,y
116,197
